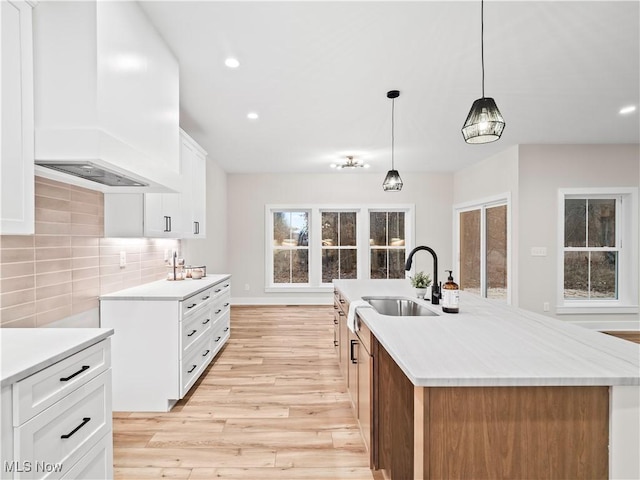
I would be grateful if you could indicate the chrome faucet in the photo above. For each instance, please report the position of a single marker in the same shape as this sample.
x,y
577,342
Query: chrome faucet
x,y
435,289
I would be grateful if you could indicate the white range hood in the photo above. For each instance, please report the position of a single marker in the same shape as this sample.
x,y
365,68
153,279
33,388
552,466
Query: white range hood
x,y
106,97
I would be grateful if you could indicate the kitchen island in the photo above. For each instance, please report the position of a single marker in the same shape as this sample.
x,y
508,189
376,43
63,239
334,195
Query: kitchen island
x,y
495,392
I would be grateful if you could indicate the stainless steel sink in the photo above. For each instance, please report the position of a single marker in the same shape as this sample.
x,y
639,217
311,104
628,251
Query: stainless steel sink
x,y
398,307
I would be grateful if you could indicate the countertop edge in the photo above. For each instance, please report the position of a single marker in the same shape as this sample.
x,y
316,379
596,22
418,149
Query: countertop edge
x,y
43,363
122,295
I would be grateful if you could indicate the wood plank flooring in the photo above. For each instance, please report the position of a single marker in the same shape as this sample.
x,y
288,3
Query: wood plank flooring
x,y
273,405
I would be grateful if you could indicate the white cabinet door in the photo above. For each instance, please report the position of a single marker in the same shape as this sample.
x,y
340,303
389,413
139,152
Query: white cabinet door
x,y
16,160
194,191
163,215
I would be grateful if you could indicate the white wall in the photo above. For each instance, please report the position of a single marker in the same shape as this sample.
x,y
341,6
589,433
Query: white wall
x,y
543,169
249,193
212,251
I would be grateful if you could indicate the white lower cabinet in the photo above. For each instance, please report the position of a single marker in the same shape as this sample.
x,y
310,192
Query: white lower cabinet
x,y
60,420
162,344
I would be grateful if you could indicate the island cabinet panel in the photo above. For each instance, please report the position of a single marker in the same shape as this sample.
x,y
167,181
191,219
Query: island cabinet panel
x,y
393,422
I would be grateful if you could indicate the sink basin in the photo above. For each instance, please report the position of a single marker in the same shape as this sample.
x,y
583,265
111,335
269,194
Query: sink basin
x,y
398,307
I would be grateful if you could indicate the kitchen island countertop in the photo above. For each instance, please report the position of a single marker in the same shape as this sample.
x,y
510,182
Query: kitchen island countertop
x,y
492,344
166,290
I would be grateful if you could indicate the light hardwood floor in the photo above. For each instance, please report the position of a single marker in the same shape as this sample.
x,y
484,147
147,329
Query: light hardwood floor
x,y
273,405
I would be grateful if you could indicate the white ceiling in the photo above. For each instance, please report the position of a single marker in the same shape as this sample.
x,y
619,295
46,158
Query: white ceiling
x,y
318,72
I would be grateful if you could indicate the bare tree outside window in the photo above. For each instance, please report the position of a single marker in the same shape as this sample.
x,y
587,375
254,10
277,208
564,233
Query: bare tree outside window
x,y
387,244
339,246
290,247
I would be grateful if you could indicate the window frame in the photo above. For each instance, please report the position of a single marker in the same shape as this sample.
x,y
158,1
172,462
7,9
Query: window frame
x,y
626,246
483,204
315,283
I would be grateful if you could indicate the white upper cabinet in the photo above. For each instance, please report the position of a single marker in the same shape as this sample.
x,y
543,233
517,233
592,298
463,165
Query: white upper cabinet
x,y
194,190
106,90
16,161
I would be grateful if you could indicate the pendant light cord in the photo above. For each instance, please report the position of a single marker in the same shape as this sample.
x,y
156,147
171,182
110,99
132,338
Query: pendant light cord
x,y
482,41
393,103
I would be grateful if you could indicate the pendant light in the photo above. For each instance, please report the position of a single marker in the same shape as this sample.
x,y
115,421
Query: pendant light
x,y
392,182
484,123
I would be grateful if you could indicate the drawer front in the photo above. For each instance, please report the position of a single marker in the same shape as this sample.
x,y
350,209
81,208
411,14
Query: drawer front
x,y
195,302
221,332
221,307
193,365
222,288
96,464
194,327
63,433
42,389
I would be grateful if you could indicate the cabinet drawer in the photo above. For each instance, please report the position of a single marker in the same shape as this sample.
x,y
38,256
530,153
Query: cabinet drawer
x,y
97,463
63,433
194,302
221,331
193,365
221,307
42,389
194,327
222,288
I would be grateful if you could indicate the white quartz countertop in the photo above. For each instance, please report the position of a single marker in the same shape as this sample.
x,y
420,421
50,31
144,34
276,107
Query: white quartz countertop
x,y
26,351
492,344
167,290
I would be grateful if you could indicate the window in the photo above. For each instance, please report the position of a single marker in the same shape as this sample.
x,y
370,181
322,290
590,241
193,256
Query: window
x,y
387,244
308,246
483,248
339,245
597,265
290,247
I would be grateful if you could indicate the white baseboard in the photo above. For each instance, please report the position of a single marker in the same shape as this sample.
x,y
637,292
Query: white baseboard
x,y
293,300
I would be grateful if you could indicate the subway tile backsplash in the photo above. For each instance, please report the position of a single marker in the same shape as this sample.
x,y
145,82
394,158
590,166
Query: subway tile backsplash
x,y
62,269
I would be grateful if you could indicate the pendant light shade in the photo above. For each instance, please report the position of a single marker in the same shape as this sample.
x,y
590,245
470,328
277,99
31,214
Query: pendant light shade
x,y
392,182
485,122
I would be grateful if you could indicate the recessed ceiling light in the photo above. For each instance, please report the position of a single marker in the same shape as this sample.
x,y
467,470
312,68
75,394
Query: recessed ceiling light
x,y
232,62
628,109
252,116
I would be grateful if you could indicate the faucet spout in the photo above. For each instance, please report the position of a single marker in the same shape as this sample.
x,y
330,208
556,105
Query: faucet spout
x,y
435,289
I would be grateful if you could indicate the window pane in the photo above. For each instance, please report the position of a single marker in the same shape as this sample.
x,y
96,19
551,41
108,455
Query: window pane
x,y
300,228
496,218
348,229
300,266
329,228
281,266
349,263
575,223
602,223
396,228
604,275
290,229
576,275
378,263
378,228
396,263
470,251
329,265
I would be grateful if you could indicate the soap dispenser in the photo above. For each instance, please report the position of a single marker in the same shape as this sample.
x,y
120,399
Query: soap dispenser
x,y
450,295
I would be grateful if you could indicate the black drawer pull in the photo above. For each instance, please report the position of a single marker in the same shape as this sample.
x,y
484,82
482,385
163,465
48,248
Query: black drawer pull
x,y
218,339
226,304
226,329
192,332
85,420
335,321
342,300
206,321
218,290
206,353
206,298
66,379
335,307
217,311
341,313
335,343
192,369
192,305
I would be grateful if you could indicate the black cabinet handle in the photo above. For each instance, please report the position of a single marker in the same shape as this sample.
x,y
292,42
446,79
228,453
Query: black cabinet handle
x,y
192,305
167,224
351,351
335,343
196,228
335,321
226,304
218,339
342,300
85,420
192,332
217,311
205,298
226,329
206,353
218,290
335,307
206,321
341,313
192,369
66,379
